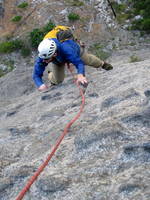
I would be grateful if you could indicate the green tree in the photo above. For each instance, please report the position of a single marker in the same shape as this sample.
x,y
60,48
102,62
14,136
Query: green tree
x,y
142,8
36,36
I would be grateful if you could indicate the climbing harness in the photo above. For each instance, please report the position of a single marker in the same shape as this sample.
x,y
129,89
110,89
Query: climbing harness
x,y
41,168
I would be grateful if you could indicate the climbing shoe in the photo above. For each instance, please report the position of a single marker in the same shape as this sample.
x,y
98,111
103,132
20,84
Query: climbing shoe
x,y
107,66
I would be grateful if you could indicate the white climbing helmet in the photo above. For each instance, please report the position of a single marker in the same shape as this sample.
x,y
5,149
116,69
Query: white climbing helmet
x,y
47,48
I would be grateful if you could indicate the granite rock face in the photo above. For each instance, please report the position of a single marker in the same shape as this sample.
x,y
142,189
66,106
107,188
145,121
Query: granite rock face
x,y
106,154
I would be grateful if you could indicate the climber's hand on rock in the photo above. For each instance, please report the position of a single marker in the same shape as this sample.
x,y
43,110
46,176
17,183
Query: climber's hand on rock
x,y
43,88
81,79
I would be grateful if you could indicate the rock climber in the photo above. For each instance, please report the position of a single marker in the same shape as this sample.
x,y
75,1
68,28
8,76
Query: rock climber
x,y
59,51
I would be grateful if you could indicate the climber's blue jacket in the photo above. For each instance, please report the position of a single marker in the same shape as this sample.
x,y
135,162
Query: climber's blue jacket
x,y
67,51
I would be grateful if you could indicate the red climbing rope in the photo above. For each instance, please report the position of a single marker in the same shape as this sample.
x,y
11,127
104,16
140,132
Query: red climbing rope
x,y
41,168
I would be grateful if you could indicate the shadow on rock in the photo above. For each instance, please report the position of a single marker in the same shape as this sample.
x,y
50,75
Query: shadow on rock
x,y
51,185
139,153
139,119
